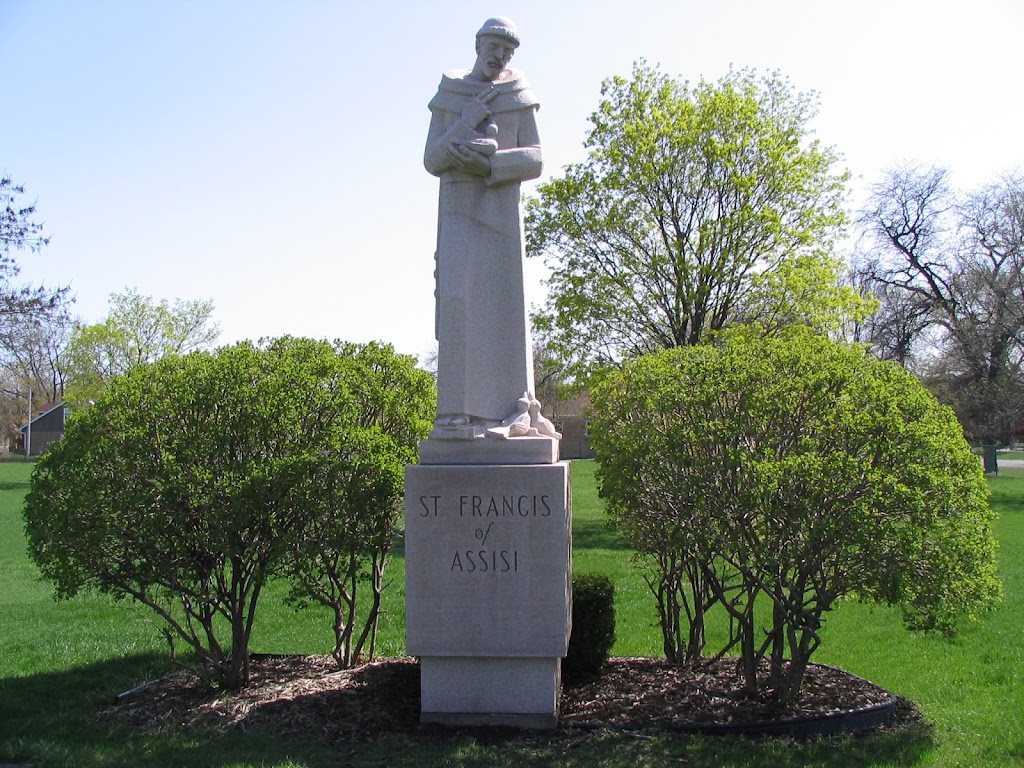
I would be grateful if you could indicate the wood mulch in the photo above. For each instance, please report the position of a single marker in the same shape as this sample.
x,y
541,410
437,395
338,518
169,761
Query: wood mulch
x,y
308,695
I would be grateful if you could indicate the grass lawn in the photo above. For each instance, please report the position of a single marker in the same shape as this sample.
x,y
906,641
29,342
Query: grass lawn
x,y
61,663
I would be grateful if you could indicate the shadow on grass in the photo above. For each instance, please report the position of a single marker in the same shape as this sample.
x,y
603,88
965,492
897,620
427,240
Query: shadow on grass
x,y
596,534
893,749
1005,503
52,719
509,748
635,750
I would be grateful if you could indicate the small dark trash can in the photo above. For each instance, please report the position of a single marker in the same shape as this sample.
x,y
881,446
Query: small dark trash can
x,y
989,458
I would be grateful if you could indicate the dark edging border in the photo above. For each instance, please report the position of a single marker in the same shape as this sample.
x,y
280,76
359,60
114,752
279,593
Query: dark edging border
x,y
829,724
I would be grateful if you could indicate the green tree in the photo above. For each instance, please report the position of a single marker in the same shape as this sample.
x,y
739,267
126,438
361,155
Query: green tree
x,y
36,347
193,480
792,472
137,330
697,207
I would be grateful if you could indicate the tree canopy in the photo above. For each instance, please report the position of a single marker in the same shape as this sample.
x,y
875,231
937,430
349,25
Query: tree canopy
x,y
19,231
697,207
137,330
195,479
791,471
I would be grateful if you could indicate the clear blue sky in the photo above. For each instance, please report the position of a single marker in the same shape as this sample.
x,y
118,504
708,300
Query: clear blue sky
x,y
268,155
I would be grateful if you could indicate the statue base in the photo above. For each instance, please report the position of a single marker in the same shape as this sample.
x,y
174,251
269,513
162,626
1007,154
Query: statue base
x,y
489,450
488,588
467,691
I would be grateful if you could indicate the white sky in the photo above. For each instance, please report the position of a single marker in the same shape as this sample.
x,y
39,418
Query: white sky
x,y
268,155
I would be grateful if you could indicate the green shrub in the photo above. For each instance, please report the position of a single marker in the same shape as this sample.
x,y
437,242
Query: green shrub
x,y
790,472
593,625
195,480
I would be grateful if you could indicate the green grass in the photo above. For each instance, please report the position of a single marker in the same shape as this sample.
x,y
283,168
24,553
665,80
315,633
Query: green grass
x,y
62,663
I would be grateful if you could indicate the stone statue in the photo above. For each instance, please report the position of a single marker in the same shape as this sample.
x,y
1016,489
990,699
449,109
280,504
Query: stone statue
x,y
482,143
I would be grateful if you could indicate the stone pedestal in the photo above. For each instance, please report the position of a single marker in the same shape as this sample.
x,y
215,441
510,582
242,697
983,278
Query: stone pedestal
x,y
513,691
488,587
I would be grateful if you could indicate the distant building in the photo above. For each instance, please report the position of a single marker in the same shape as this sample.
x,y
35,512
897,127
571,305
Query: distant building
x,y
570,418
47,426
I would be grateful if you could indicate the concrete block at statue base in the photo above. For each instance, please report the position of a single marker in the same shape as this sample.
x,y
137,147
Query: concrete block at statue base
x,y
520,692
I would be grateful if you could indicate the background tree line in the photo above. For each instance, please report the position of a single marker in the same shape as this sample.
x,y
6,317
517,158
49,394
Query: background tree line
x,y
947,267
43,349
705,206
29,352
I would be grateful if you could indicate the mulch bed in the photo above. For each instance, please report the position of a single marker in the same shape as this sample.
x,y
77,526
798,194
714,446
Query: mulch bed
x,y
308,695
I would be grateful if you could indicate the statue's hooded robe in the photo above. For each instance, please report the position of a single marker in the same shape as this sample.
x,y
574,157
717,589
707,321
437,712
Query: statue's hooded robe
x,y
485,359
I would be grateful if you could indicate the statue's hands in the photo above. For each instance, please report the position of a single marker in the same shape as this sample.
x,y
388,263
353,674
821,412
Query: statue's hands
x,y
468,160
476,110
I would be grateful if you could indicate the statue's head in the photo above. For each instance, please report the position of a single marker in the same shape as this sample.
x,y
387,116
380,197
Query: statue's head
x,y
496,41
501,27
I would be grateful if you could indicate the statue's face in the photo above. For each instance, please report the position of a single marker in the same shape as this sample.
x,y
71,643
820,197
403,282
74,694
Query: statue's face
x,y
493,54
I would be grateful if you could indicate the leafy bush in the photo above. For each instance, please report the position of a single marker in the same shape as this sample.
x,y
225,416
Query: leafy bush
x,y
593,625
790,472
355,501
195,479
